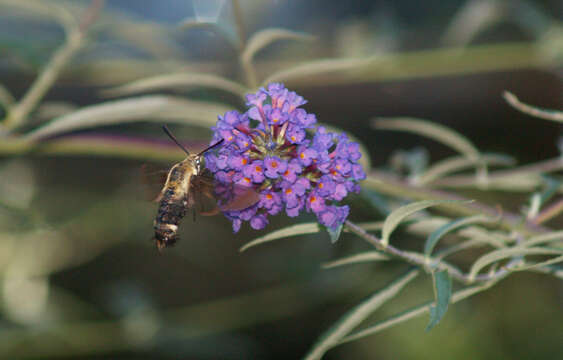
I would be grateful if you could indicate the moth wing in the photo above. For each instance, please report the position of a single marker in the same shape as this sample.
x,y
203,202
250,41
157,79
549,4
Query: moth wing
x,y
153,179
229,197
243,198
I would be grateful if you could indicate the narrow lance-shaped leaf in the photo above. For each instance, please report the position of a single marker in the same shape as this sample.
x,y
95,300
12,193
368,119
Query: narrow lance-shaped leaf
x,y
300,229
443,293
411,314
146,108
367,256
434,131
226,32
263,38
458,163
46,9
552,185
546,114
355,316
334,233
553,261
318,67
544,238
498,255
376,200
437,234
6,98
398,215
182,81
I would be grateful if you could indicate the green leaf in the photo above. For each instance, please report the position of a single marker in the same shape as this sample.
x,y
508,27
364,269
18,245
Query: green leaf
x,y
334,233
398,215
181,81
544,238
467,244
437,234
443,293
498,255
367,256
318,67
495,239
552,185
46,9
411,314
434,131
546,114
157,108
369,226
223,31
356,315
300,229
263,38
376,200
458,163
555,260
6,97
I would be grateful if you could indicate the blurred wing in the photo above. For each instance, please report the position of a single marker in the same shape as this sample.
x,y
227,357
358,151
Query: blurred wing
x,y
243,198
153,179
230,197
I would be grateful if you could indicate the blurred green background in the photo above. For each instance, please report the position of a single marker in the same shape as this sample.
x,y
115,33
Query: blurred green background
x,y
81,278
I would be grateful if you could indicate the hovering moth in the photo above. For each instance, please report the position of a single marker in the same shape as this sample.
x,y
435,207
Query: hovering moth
x,y
185,184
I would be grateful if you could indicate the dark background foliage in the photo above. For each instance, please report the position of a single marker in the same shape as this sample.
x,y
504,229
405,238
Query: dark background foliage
x,y
78,225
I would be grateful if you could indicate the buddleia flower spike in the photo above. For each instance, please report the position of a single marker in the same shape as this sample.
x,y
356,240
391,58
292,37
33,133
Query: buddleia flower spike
x,y
277,148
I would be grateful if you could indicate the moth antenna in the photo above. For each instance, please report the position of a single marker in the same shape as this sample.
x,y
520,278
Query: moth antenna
x,y
167,131
210,147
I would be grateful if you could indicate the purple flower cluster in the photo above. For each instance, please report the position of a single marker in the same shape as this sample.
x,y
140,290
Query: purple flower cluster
x,y
277,149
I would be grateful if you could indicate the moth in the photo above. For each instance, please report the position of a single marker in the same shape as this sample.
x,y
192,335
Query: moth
x,y
186,183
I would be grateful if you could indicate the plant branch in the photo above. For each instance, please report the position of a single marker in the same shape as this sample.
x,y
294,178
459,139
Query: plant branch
x,y
391,185
74,41
426,263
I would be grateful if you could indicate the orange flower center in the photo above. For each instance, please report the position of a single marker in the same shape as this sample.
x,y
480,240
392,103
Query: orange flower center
x,y
258,168
288,191
269,196
302,155
244,161
321,185
313,199
274,164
